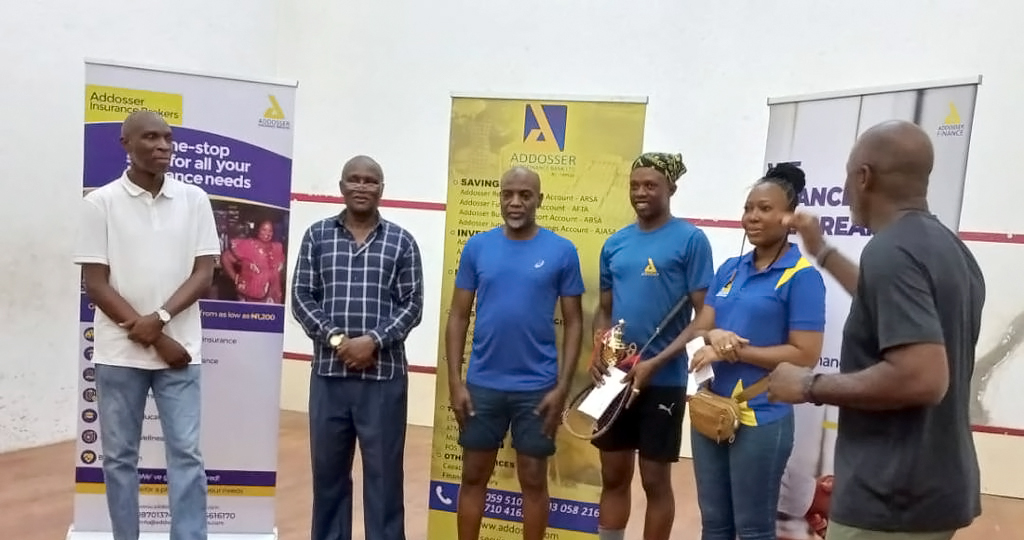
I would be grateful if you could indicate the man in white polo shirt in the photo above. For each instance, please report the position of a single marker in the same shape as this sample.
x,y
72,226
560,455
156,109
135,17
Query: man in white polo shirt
x,y
146,245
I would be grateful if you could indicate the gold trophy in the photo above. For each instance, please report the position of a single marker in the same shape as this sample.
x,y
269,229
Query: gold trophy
x,y
617,356
614,350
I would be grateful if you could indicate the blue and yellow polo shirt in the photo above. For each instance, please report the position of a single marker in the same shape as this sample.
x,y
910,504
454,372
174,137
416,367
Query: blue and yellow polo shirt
x,y
763,307
647,273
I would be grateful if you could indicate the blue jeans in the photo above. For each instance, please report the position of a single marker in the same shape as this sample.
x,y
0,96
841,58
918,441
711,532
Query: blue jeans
x,y
122,392
343,411
738,484
495,411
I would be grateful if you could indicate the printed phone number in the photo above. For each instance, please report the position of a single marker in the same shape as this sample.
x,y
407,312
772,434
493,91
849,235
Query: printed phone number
x,y
511,506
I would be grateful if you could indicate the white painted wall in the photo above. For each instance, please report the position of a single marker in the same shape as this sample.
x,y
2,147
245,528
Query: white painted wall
x,y
376,75
43,46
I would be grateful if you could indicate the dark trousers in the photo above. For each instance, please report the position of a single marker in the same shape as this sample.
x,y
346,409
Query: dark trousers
x,y
343,411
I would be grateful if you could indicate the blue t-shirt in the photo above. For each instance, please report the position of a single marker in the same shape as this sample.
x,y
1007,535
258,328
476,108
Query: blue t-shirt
x,y
647,273
518,284
764,307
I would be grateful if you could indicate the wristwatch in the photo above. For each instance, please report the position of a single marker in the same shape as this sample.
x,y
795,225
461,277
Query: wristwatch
x,y
809,396
165,317
336,340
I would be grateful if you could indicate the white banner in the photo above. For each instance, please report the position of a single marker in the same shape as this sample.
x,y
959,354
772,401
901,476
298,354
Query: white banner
x,y
233,138
817,133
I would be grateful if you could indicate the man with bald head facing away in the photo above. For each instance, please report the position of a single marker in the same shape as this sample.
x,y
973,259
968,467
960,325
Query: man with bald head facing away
x,y
146,245
357,292
905,462
517,273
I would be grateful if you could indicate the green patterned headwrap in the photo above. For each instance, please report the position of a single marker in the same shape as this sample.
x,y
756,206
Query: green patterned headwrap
x,y
671,165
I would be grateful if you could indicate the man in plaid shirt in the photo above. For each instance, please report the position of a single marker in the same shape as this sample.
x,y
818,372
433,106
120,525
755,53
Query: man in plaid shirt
x,y
358,292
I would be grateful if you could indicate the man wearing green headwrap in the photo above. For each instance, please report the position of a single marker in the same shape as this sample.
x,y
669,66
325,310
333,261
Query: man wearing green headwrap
x,y
646,267
669,165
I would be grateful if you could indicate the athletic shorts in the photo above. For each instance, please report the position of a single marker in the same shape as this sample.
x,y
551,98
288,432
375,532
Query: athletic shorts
x,y
496,411
652,425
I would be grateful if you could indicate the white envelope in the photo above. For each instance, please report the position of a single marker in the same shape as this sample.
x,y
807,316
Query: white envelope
x,y
695,378
598,400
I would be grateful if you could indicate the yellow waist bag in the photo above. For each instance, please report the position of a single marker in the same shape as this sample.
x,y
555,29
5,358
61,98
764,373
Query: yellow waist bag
x,y
718,417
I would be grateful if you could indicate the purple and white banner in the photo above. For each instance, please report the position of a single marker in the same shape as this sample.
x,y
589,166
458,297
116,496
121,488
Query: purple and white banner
x,y
233,138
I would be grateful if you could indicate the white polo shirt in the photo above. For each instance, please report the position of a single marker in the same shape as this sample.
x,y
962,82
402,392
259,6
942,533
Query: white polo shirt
x,y
150,244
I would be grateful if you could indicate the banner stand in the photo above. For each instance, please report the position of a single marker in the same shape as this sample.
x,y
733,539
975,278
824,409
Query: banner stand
x,y
233,138
582,148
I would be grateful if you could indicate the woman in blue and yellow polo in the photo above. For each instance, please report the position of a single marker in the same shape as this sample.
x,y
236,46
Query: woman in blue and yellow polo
x,y
765,307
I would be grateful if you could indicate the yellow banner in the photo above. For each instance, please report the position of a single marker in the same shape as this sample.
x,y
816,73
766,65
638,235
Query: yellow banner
x,y
582,151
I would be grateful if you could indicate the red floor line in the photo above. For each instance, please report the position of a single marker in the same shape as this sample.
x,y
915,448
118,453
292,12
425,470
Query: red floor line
x,y
430,370
969,236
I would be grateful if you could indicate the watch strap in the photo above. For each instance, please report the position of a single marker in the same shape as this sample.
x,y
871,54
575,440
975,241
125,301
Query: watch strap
x,y
809,389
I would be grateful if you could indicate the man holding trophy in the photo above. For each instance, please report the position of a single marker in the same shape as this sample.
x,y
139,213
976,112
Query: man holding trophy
x,y
645,269
517,273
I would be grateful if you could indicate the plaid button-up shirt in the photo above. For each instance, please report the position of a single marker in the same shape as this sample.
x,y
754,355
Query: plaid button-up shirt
x,y
373,289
